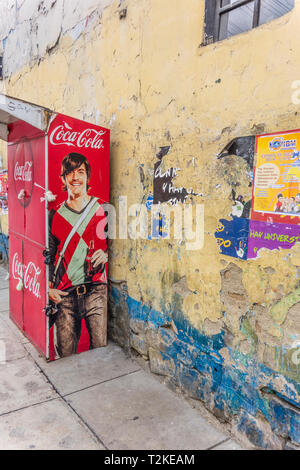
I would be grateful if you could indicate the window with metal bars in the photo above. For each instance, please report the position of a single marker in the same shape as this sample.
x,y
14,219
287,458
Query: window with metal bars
x,y
225,18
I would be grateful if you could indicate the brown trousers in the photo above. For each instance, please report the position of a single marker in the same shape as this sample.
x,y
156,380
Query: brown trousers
x,y
92,307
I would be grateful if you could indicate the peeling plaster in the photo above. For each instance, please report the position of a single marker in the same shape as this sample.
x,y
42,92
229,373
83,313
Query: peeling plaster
x,y
222,331
35,27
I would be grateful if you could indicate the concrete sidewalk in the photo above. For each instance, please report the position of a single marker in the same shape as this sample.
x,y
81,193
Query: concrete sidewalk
x,y
97,400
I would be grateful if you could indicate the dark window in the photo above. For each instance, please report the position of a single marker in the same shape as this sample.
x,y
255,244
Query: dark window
x,y
1,67
225,18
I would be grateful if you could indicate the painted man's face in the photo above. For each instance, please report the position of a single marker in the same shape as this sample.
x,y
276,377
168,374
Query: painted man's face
x,y
76,181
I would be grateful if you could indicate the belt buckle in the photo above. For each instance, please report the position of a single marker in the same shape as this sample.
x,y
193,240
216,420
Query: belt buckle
x,y
78,290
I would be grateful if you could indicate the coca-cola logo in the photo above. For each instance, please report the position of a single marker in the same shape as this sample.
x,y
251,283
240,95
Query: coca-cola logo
x,y
28,274
88,138
23,172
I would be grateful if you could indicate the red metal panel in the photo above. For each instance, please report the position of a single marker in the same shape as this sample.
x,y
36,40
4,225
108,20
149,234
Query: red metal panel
x,y
20,129
18,154
15,279
27,175
27,214
27,288
36,210
35,295
26,168
67,135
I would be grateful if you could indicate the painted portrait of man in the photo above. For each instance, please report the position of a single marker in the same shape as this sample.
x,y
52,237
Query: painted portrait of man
x,y
78,256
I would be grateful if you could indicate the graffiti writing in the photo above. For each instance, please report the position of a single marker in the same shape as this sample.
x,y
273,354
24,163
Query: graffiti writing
x,y
163,187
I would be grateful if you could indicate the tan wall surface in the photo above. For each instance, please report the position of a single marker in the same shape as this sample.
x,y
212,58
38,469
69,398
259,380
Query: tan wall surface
x,y
150,80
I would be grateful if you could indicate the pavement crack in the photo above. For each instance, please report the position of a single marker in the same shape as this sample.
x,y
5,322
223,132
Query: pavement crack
x,y
8,361
27,406
218,444
103,382
82,420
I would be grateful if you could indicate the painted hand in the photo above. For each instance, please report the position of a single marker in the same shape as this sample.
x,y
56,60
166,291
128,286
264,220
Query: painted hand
x,y
56,295
241,250
99,257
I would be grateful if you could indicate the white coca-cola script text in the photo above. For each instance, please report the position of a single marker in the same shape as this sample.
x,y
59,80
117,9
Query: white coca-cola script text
x,y
65,135
28,274
23,172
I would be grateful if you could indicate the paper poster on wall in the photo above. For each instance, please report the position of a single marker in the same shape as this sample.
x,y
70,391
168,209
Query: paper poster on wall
x,y
263,235
276,193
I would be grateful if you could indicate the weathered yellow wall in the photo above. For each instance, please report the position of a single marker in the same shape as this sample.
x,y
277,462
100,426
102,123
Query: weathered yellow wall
x,y
150,80
4,223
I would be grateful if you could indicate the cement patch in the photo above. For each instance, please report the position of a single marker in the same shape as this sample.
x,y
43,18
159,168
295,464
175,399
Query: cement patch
x,y
11,326
3,278
137,412
50,426
4,300
22,385
10,347
77,372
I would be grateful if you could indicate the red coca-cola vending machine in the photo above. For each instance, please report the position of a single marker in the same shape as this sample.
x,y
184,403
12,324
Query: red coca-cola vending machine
x,y
58,188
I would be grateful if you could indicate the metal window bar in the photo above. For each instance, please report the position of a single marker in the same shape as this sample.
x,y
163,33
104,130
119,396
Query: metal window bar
x,y
256,13
230,7
214,11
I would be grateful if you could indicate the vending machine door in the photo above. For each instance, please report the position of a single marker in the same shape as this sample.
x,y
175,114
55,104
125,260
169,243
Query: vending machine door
x,y
58,173
27,220
79,179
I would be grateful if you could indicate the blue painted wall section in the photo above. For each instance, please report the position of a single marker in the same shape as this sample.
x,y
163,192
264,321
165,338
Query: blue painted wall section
x,y
232,237
239,389
4,246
